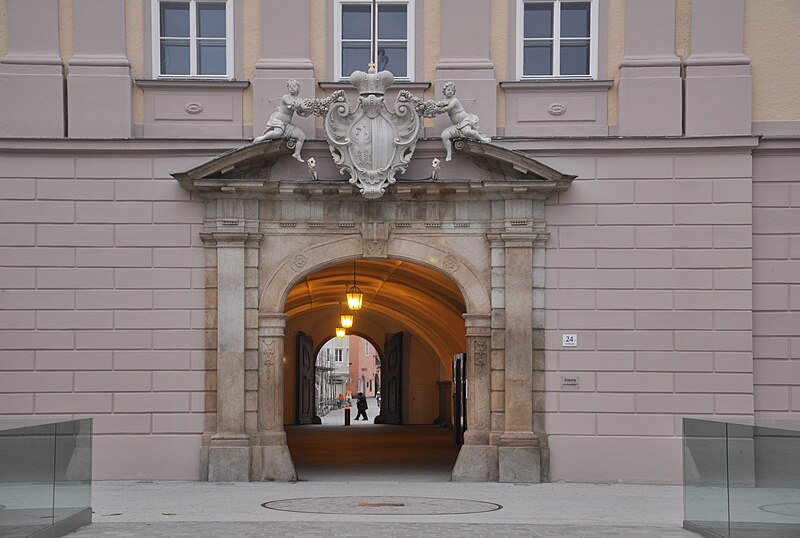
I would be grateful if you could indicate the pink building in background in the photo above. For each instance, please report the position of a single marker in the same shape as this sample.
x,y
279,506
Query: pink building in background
x,y
624,253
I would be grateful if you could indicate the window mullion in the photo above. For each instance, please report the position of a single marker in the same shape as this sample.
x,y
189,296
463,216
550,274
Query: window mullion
x,y
557,38
193,38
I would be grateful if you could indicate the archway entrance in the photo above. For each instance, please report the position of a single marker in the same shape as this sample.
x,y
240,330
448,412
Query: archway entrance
x,y
406,334
279,245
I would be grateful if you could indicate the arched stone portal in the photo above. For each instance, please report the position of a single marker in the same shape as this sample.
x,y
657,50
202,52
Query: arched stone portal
x,y
269,225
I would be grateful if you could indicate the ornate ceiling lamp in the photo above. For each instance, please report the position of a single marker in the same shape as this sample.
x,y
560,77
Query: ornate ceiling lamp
x,y
346,319
354,295
340,332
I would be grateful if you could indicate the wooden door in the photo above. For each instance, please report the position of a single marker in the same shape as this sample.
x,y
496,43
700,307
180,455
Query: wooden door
x,y
306,410
392,374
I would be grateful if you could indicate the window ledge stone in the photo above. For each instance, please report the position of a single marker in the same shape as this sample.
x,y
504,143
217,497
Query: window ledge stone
x,y
556,84
181,83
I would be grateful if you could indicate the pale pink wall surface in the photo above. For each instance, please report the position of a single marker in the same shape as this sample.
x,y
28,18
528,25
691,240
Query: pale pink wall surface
x,y
649,263
102,306
776,284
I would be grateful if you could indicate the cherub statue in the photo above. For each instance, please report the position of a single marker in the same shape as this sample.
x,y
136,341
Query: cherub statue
x,y
280,122
465,125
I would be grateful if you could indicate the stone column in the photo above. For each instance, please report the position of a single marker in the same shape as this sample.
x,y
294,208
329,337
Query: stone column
x,y
32,72
285,54
464,59
718,88
477,461
229,452
650,85
271,457
99,84
519,457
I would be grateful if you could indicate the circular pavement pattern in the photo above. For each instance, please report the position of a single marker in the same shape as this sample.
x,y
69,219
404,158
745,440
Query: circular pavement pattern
x,y
382,506
784,509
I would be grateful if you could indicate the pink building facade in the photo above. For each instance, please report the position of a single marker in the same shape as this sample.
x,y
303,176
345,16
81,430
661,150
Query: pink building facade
x,y
664,282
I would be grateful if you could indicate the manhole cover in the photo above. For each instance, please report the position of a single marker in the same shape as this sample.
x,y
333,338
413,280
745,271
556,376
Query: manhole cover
x,y
416,506
784,509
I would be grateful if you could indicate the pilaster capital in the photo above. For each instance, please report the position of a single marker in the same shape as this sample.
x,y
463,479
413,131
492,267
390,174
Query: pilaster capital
x,y
478,324
230,239
523,239
271,324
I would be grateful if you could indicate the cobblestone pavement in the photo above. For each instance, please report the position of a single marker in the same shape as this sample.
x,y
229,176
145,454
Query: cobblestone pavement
x,y
367,530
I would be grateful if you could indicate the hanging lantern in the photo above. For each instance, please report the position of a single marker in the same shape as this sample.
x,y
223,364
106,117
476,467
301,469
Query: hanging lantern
x,y
345,318
340,332
354,295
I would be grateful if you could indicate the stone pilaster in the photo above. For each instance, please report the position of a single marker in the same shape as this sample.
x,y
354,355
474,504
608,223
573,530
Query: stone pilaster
x,y
718,85
99,85
464,59
229,452
32,72
285,54
477,460
519,457
271,457
650,85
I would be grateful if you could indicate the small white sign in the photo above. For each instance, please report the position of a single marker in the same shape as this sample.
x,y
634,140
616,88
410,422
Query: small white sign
x,y
569,340
570,383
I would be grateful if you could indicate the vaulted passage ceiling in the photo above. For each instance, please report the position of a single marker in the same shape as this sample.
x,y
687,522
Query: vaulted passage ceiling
x,y
423,301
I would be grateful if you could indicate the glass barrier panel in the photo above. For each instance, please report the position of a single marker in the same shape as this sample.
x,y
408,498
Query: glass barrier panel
x,y
26,479
73,468
764,481
705,491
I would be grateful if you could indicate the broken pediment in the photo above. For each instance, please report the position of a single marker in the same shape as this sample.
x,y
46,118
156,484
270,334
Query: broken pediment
x,y
477,169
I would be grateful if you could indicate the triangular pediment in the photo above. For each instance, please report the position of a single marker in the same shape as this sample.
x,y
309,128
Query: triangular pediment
x,y
268,167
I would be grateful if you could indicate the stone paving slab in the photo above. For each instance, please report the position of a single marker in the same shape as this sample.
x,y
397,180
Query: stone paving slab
x,y
368,530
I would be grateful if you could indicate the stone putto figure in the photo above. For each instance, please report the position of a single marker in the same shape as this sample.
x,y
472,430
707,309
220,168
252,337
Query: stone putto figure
x,y
465,125
280,122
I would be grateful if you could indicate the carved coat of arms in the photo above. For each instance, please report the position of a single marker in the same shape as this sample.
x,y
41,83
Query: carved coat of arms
x,y
371,142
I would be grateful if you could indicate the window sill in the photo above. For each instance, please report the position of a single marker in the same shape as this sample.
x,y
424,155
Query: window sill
x,y
555,84
167,83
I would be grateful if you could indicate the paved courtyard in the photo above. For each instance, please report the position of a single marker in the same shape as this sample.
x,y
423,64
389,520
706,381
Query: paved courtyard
x,y
398,507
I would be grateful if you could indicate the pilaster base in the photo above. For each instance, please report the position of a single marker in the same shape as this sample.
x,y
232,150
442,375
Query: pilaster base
x,y
520,464
650,99
229,460
476,463
273,463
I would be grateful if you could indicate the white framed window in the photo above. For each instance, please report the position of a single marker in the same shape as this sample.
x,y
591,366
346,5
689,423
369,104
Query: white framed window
x,y
355,25
557,39
366,348
192,38
338,354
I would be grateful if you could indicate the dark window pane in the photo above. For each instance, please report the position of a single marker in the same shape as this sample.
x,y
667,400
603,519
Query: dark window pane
x,y
174,19
211,19
392,22
538,20
175,57
355,57
538,59
356,21
394,57
575,58
211,58
575,19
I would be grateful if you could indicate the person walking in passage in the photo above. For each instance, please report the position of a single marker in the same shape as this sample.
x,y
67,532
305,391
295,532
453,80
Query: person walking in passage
x,y
361,405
